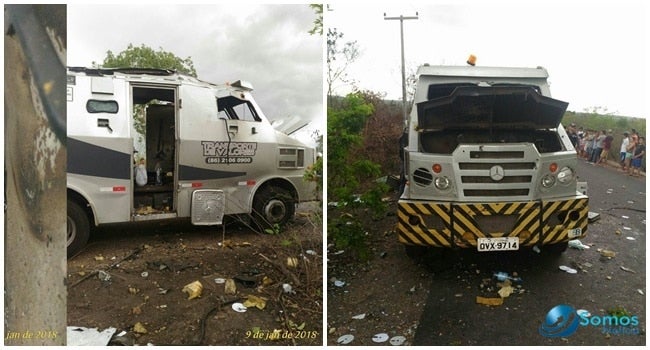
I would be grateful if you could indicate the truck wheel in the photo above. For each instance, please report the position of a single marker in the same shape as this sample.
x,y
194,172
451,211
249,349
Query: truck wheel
x,y
78,228
273,205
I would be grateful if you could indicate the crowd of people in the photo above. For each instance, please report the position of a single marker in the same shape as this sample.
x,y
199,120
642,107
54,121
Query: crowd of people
x,y
595,146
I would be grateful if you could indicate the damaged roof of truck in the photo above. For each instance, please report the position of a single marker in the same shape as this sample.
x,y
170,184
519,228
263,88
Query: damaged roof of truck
x,y
163,75
487,107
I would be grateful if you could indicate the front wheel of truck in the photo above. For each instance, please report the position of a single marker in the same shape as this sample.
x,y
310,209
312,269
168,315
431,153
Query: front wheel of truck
x,y
273,206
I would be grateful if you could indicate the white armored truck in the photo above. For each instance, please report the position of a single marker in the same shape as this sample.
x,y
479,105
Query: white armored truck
x,y
488,165
151,144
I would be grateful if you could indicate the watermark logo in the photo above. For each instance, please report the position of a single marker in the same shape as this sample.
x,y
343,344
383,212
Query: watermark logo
x,y
560,321
564,320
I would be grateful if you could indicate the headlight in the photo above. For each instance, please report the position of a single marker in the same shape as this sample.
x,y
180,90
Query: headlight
x,y
442,183
548,181
565,175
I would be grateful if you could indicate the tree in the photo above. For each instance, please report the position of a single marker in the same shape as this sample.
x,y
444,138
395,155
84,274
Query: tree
x,y
145,57
318,22
351,176
338,60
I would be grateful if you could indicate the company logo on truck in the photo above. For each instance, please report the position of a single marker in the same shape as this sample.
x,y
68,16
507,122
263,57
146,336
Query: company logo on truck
x,y
224,152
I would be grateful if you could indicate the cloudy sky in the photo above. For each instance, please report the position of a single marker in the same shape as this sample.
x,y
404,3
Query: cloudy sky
x,y
267,45
595,52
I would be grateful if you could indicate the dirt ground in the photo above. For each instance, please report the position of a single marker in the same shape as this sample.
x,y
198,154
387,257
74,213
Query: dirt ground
x,y
149,265
357,307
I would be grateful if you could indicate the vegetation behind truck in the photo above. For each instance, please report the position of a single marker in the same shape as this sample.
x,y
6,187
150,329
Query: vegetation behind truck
x,y
208,151
488,164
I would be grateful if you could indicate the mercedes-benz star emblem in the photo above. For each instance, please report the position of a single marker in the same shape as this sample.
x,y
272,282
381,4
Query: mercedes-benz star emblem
x,y
496,173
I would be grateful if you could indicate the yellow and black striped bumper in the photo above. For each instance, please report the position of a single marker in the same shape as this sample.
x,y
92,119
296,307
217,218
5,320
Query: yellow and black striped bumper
x,y
461,224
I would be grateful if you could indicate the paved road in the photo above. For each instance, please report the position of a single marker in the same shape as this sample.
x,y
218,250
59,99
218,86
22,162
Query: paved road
x,y
452,316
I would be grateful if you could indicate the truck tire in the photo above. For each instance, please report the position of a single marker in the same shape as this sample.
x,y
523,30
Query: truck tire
x,y
78,228
273,206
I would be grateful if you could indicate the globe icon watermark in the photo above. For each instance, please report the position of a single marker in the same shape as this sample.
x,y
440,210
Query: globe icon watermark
x,y
561,321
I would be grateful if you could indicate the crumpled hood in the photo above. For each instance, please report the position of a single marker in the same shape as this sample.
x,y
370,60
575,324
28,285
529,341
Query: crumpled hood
x,y
493,107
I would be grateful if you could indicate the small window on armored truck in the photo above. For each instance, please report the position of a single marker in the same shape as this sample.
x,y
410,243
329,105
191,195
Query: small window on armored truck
x,y
231,107
102,106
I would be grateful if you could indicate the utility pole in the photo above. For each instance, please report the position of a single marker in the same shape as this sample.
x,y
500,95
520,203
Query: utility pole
x,y
401,28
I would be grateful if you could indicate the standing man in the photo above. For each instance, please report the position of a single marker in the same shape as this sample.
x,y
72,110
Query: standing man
x,y
598,147
637,157
624,144
607,145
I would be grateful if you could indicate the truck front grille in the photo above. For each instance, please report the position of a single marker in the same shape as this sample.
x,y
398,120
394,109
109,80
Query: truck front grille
x,y
490,171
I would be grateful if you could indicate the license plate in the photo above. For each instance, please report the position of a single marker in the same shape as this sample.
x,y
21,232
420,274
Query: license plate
x,y
497,244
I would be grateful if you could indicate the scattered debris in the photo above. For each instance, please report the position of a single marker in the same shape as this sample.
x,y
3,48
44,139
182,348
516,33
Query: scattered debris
x,y
536,249
568,269
397,340
219,280
99,258
345,339
288,289
136,310
489,301
627,269
144,274
230,287
339,283
239,307
640,291
292,262
626,228
82,336
592,217
253,300
266,281
625,217
505,291
359,317
139,328
311,252
630,238
133,290
103,276
607,253
503,276
576,244
193,290
380,337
